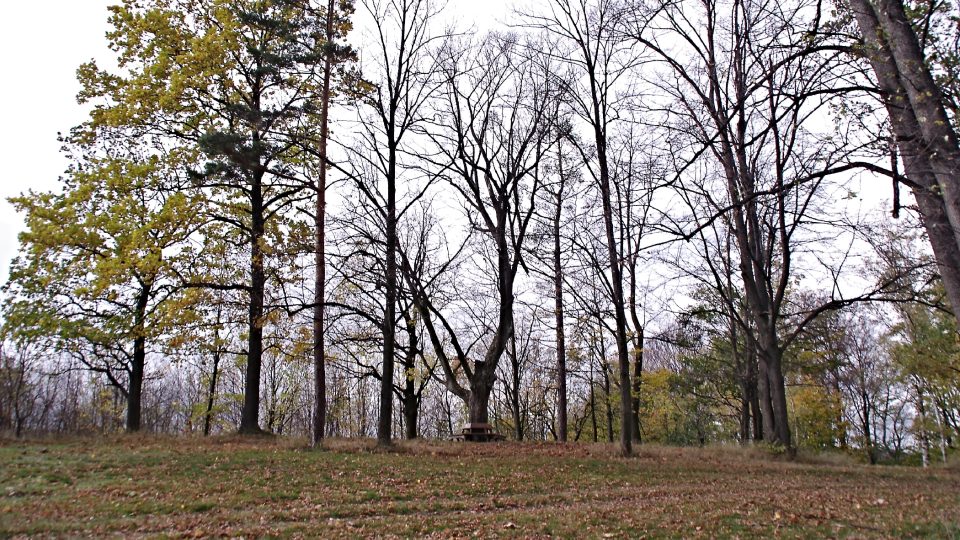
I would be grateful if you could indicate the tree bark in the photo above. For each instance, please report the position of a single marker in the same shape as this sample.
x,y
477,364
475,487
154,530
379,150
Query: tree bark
x,y
623,359
411,410
637,376
250,414
593,404
385,421
320,277
558,321
138,363
515,405
926,100
478,402
909,138
211,394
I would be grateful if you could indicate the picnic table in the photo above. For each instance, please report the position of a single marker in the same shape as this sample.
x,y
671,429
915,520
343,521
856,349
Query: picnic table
x,y
479,432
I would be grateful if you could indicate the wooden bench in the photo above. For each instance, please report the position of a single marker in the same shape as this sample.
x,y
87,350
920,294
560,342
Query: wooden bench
x,y
479,432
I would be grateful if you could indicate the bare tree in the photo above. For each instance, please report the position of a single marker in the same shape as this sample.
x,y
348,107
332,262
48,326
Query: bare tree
x,y
592,43
403,68
499,109
746,84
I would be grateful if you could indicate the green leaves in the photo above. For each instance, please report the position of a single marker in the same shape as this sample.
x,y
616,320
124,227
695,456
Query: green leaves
x,y
112,239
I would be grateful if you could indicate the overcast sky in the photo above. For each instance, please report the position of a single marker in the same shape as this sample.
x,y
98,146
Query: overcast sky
x,y
42,42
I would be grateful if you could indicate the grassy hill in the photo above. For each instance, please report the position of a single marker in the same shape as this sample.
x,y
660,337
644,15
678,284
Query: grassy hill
x,y
187,487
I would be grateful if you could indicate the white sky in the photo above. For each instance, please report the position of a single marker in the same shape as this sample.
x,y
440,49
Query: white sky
x,y
42,42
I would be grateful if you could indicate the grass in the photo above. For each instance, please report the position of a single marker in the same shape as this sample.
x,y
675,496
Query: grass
x,y
187,487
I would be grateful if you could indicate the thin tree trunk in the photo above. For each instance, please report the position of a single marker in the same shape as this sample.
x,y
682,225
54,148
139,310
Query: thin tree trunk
x,y
320,278
867,434
558,320
744,410
593,404
637,378
606,402
924,436
515,389
623,360
211,393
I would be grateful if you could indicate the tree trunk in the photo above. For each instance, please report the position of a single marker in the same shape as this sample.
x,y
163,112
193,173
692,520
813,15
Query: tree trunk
x,y
923,435
558,320
448,409
409,397
907,132
478,403
411,410
320,277
606,402
778,399
766,408
616,279
250,415
867,435
926,100
135,390
515,388
593,404
211,393
756,413
637,379
385,421
744,411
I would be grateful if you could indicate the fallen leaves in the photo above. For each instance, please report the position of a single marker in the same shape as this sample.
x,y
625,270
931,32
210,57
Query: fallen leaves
x,y
274,488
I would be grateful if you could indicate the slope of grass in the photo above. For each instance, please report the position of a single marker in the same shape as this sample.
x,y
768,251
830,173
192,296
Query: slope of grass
x,y
181,487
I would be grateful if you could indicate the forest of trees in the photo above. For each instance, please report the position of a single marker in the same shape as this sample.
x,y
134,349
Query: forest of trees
x,y
685,222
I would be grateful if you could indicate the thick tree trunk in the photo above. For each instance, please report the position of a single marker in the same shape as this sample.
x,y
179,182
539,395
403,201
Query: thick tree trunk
x,y
926,100
250,414
484,371
411,410
755,412
320,277
915,153
478,403
778,399
766,407
135,391
138,363
744,411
